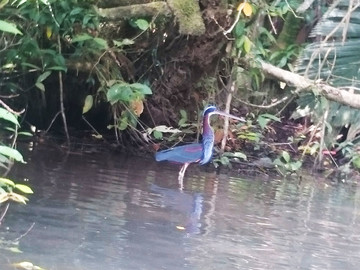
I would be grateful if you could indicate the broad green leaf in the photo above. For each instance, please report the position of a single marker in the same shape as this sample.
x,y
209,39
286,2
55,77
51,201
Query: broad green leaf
x,y
295,165
24,188
76,11
157,135
123,42
8,116
142,88
123,123
271,116
3,160
40,85
6,181
89,100
43,76
142,24
119,92
163,129
239,42
239,29
81,37
25,133
356,162
30,66
9,27
247,44
239,155
11,153
102,43
285,155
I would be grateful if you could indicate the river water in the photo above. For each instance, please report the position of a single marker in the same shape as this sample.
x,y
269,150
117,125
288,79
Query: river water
x,y
109,211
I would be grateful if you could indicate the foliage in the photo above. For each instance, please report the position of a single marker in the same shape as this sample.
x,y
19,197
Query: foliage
x,y
333,59
285,165
47,37
8,154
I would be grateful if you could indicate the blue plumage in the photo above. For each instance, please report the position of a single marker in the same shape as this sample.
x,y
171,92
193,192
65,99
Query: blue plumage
x,y
194,152
181,154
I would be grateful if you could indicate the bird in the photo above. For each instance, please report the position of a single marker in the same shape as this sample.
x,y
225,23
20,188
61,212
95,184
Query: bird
x,y
195,152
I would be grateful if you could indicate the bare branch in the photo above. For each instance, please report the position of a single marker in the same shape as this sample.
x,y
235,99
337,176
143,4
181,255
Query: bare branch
x,y
303,84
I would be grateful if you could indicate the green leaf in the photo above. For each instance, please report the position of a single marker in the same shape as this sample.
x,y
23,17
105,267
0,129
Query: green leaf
x,y
356,162
119,92
264,119
8,116
25,133
236,155
285,155
247,44
11,153
43,76
157,135
271,116
123,123
9,27
7,182
81,37
239,29
101,43
123,42
295,165
142,24
89,100
24,188
40,85
142,88
30,66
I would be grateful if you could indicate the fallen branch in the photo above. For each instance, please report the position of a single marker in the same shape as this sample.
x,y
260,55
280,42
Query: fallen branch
x,y
133,11
305,85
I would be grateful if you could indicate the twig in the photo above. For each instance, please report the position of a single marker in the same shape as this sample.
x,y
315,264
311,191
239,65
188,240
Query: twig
x,y
90,125
264,106
62,109
9,109
4,212
272,24
347,21
24,234
348,14
227,110
236,19
292,11
52,121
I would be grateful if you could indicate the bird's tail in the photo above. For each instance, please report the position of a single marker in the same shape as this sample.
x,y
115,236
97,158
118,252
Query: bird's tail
x,y
162,155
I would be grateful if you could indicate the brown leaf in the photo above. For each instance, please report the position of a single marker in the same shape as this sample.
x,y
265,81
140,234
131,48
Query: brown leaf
x,y
137,106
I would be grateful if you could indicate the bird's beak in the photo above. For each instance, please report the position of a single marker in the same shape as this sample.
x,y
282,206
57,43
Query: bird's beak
x,y
229,115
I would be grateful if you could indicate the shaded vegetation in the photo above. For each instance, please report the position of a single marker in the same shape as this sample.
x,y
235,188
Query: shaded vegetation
x,y
140,73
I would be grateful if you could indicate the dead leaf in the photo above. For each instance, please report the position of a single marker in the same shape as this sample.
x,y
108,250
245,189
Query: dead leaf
x,y
137,106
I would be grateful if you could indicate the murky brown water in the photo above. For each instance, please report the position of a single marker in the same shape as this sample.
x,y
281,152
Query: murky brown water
x,y
108,211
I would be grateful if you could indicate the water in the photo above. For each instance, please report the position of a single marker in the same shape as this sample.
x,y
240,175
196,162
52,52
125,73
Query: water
x,y
109,211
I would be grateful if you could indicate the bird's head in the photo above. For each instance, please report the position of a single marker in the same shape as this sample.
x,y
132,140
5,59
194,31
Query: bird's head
x,y
209,109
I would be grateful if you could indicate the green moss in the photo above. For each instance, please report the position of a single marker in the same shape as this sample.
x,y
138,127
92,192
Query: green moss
x,y
188,15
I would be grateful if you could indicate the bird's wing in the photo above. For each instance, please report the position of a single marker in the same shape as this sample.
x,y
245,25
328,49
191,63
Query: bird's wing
x,y
181,154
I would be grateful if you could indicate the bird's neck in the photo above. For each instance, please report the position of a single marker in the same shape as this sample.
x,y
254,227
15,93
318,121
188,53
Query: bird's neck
x,y
207,129
207,140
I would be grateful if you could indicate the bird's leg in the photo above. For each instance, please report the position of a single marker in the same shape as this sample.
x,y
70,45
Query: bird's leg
x,y
182,173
